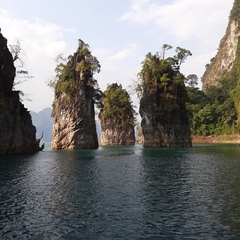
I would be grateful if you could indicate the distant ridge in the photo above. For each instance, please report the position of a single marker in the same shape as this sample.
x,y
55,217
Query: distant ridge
x,y
43,123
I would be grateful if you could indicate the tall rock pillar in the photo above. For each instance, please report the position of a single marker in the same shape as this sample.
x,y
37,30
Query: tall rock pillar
x,y
17,133
73,107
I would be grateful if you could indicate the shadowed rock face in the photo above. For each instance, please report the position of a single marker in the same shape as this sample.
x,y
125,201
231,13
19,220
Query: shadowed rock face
x,y
17,133
169,130
73,111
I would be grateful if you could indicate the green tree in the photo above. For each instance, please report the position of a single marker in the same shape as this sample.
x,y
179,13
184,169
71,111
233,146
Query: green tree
x,y
165,48
180,57
191,80
117,106
72,70
213,112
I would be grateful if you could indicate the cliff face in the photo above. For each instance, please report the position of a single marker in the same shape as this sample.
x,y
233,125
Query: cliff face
x,y
17,133
169,129
73,109
110,135
222,64
117,117
162,106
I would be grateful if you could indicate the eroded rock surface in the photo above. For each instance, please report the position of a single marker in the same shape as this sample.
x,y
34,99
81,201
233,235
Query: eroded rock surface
x,y
222,64
73,108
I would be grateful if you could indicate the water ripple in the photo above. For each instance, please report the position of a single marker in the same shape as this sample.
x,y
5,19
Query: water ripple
x,y
122,193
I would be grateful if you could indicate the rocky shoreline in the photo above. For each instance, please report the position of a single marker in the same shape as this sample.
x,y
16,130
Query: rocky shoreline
x,y
234,138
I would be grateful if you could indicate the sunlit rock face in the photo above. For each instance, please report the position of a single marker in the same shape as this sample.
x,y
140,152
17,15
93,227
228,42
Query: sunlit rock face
x,y
17,133
73,109
110,135
74,123
222,64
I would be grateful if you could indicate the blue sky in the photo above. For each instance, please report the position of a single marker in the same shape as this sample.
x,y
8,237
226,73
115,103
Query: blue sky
x,y
120,33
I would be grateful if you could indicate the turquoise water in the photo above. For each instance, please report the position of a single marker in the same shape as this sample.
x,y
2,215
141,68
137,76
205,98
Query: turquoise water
x,y
122,193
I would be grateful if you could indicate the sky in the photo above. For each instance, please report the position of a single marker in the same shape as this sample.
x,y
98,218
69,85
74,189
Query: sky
x,y
119,32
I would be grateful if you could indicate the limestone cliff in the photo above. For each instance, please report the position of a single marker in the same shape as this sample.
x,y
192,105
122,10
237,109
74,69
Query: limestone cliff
x,y
17,133
112,135
117,117
73,108
170,129
162,106
222,64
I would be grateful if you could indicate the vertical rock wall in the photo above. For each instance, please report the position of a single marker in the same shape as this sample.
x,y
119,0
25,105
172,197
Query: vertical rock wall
x,y
17,133
169,130
110,135
73,109
74,123
221,65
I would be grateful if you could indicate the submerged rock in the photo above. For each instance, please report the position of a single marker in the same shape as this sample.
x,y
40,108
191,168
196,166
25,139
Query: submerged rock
x,y
17,133
73,108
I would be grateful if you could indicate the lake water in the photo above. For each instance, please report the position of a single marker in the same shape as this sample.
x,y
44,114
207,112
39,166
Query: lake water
x,y
122,193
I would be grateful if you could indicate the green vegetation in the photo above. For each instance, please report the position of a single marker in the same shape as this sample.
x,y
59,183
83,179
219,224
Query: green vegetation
x,y
80,67
235,12
117,107
213,112
161,79
217,111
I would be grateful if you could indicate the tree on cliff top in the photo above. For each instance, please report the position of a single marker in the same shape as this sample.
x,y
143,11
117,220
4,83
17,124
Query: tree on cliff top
x,y
117,106
161,78
21,75
80,67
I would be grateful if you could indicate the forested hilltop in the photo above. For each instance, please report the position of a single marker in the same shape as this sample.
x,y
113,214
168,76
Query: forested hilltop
x,y
163,100
117,117
216,109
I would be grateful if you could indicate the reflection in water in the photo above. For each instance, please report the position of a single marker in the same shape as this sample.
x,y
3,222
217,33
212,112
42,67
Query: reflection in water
x,y
122,193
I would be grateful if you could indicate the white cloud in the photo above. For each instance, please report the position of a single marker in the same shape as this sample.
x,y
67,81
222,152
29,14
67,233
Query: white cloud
x,y
126,53
197,25
181,18
140,12
118,66
41,42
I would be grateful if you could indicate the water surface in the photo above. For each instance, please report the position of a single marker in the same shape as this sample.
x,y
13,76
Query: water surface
x,y
122,193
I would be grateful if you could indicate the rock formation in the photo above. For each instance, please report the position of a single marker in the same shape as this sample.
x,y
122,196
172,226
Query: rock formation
x,y
139,135
222,64
224,69
117,117
17,133
162,106
169,130
73,108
